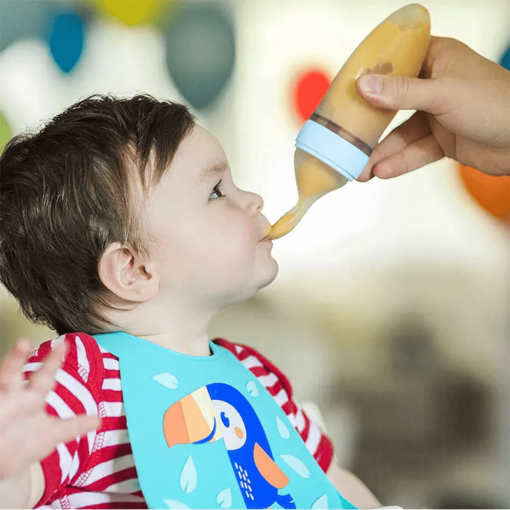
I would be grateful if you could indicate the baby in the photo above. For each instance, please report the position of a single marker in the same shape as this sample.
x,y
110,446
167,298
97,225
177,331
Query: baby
x,y
121,228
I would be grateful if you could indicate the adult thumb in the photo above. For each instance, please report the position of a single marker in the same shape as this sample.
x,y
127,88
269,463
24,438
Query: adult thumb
x,y
396,92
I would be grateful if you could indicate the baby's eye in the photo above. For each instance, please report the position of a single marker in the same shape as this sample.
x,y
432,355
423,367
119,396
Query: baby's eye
x,y
217,191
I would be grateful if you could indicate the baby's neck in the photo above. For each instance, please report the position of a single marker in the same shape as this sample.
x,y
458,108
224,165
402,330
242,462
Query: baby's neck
x,y
179,328
195,347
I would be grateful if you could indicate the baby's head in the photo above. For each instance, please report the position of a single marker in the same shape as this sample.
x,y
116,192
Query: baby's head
x,y
119,205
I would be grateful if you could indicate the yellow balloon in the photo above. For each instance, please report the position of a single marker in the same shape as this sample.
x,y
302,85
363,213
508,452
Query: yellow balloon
x,y
132,12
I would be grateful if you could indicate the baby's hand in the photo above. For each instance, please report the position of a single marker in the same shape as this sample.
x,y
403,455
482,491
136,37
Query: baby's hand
x,y
27,433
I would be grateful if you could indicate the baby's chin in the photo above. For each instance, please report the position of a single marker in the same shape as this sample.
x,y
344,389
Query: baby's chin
x,y
254,288
271,276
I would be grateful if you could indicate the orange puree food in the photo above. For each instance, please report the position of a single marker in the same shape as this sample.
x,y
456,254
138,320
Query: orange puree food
x,y
334,145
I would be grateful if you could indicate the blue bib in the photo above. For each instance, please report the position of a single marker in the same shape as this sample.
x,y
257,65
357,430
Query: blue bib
x,y
206,434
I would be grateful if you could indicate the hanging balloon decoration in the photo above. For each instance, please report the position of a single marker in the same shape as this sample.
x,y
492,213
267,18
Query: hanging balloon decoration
x,y
308,89
490,192
22,20
200,52
5,132
66,37
505,60
133,12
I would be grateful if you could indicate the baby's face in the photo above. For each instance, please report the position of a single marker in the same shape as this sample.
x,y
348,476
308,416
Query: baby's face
x,y
208,234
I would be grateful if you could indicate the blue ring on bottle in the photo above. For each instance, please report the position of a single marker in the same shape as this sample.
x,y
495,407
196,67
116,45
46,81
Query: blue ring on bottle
x,y
332,149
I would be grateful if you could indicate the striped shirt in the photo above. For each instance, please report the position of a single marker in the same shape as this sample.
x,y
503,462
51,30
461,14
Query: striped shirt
x,y
98,470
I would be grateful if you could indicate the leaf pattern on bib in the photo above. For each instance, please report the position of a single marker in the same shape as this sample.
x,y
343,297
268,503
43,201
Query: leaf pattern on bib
x,y
167,380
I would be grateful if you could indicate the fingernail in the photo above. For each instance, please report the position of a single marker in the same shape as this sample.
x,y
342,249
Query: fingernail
x,y
371,84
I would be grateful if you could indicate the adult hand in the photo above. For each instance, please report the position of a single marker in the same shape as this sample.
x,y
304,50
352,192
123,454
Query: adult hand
x,y
463,112
27,433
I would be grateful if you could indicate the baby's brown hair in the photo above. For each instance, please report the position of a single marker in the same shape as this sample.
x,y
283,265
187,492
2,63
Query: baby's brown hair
x,y
65,196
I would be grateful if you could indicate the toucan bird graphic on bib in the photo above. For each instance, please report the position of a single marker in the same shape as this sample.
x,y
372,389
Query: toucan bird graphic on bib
x,y
205,433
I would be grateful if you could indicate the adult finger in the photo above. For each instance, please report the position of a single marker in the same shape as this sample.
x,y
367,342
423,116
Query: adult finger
x,y
401,137
397,92
43,380
11,377
414,156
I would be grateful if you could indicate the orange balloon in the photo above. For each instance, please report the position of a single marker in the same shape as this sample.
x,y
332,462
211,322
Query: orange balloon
x,y
490,192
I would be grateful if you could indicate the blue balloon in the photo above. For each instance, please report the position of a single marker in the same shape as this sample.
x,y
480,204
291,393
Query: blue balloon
x,y
200,51
66,39
505,61
21,20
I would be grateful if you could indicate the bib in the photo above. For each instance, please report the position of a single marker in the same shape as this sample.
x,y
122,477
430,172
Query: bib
x,y
205,433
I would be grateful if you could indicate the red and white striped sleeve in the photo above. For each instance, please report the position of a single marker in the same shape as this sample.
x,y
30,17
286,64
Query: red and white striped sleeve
x,y
318,444
76,391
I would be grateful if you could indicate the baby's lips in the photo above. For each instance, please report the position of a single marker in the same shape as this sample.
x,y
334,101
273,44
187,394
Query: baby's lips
x,y
267,231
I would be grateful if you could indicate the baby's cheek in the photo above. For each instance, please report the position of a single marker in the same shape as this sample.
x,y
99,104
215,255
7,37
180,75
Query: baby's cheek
x,y
245,241
238,246
237,226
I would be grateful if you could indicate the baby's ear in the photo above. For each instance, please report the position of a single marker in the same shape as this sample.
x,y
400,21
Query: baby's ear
x,y
124,272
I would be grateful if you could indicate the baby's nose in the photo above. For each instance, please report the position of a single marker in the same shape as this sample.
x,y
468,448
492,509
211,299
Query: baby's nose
x,y
257,202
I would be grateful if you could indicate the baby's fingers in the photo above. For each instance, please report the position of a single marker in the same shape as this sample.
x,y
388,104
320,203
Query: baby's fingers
x,y
68,430
11,378
414,156
43,379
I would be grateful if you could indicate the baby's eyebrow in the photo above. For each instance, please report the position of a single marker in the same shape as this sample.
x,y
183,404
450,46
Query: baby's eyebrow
x,y
213,171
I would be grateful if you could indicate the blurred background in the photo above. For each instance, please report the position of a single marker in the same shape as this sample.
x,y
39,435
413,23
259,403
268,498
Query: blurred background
x,y
391,311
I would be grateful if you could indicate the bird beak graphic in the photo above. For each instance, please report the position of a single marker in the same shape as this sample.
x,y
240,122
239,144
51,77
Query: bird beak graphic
x,y
191,420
